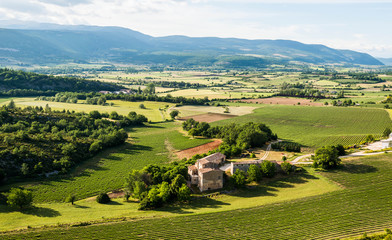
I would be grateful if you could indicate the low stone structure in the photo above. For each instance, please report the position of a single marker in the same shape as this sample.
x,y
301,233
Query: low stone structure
x,y
206,173
244,165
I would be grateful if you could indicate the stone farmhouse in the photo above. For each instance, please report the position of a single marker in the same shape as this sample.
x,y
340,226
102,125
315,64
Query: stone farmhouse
x,y
206,173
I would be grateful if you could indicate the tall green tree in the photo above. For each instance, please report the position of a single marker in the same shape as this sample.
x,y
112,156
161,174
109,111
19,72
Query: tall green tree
x,y
326,157
20,198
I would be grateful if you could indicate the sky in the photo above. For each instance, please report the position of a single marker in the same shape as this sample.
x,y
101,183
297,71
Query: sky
x,y
360,25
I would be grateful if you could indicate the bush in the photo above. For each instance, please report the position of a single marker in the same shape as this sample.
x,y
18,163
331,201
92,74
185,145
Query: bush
x,y
254,173
103,198
20,198
70,199
326,158
268,169
184,193
287,167
174,114
141,106
239,178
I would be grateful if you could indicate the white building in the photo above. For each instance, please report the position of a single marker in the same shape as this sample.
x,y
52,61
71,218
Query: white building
x,y
387,143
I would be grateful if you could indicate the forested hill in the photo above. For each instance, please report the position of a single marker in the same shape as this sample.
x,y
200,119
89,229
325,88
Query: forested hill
x,y
13,81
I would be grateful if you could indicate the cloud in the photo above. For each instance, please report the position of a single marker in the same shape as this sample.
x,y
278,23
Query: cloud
x,y
65,3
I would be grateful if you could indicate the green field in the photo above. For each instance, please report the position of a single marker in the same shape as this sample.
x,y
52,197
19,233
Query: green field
x,y
279,190
318,126
152,111
363,205
108,170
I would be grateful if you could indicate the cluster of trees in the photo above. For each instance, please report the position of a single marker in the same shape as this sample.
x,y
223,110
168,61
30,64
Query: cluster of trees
x,y
287,146
366,76
167,84
152,97
156,185
345,103
71,97
388,100
236,138
301,93
39,83
256,172
327,157
34,141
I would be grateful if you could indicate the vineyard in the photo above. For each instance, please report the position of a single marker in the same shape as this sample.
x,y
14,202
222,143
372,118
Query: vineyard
x,y
362,205
319,126
107,170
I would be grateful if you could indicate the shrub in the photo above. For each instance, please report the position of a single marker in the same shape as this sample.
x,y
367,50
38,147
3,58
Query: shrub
x,y
103,198
326,158
184,193
141,106
70,199
174,114
287,167
239,178
268,169
20,198
254,173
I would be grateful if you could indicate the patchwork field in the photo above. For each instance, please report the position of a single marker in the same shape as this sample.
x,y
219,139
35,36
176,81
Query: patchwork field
x,y
362,205
318,126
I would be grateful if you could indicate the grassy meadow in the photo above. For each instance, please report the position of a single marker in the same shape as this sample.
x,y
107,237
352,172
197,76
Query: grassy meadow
x,y
154,111
362,205
278,190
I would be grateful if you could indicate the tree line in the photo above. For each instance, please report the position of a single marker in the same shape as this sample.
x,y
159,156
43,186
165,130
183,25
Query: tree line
x,y
20,83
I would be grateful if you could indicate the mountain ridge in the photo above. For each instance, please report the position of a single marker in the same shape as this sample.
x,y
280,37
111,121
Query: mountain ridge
x,y
44,44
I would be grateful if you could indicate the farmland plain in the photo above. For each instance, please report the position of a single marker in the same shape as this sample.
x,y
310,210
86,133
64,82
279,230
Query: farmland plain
x,y
363,205
318,126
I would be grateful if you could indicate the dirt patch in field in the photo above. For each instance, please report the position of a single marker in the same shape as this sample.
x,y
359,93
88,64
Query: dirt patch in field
x,y
188,153
208,117
284,101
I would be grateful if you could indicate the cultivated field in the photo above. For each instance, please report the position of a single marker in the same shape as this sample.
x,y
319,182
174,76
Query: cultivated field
x,y
318,126
277,190
284,101
186,111
362,205
190,152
